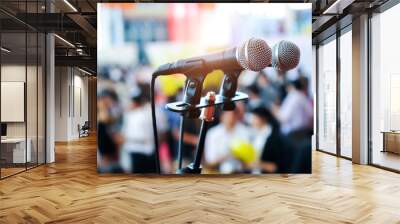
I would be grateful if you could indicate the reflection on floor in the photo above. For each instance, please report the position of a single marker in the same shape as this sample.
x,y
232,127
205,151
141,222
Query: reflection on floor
x,y
346,152
386,159
9,170
71,191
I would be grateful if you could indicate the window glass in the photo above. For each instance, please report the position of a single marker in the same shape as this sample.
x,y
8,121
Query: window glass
x,y
385,84
346,94
15,150
327,97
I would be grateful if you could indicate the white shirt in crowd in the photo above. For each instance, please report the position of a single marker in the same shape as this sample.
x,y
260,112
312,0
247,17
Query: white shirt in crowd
x,y
137,130
260,138
296,112
219,140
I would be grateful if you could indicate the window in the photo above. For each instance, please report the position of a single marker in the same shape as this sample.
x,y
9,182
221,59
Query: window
x,y
22,77
385,89
327,97
346,94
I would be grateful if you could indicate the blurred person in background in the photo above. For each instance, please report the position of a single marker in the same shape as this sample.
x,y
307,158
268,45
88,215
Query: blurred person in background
x,y
272,154
254,96
109,139
268,92
138,152
280,83
240,110
296,118
305,84
173,120
296,112
219,140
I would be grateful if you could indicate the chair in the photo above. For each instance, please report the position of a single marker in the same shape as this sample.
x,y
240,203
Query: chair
x,y
84,130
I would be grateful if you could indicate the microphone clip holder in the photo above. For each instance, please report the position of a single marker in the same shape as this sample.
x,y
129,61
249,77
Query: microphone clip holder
x,y
192,101
183,107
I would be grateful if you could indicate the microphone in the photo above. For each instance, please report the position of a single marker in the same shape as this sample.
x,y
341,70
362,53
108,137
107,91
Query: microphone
x,y
285,55
254,54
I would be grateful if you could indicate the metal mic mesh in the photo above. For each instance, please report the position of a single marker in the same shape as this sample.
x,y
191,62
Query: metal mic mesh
x,y
286,55
254,54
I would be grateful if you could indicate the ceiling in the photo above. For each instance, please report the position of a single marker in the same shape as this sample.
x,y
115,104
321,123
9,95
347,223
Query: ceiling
x,y
331,15
75,43
75,21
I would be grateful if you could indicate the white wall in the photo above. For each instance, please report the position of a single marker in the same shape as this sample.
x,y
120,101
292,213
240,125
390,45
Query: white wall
x,y
61,103
80,104
71,94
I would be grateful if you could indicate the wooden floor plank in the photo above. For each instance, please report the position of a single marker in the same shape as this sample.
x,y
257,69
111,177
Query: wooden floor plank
x,y
71,191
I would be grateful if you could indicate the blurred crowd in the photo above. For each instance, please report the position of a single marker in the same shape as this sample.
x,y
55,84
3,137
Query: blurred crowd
x,y
268,133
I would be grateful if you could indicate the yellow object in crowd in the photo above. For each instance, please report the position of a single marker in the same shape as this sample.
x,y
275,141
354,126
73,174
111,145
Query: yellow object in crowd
x,y
213,79
171,84
243,151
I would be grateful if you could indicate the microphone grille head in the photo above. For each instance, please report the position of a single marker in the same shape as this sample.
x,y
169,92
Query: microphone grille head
x,y
286,55
254,54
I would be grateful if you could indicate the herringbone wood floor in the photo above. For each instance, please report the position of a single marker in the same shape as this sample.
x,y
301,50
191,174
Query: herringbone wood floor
x,y
70,191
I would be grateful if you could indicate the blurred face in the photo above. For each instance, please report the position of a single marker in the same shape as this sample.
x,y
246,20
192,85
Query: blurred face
x,y
257,122
106,102
262,81
103,105
134,105
253,96
290,88
229,119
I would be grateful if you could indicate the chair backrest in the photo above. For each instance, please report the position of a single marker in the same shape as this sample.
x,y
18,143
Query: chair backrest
x,y
86,125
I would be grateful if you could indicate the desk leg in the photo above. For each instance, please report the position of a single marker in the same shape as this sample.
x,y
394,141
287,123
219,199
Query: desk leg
x,y
384,142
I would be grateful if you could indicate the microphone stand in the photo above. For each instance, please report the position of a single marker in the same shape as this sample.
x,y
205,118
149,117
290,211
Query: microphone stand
x,y
207,116
192,97
181,135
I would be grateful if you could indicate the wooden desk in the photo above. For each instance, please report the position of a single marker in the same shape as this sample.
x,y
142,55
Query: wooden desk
x,y
391,141
13,150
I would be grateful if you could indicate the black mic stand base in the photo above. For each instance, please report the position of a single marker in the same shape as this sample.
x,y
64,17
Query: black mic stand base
x,y
190,169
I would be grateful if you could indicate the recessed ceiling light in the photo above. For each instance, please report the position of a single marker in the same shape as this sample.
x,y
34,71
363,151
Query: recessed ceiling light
x,y
70,5
5,50
84,71
65,41
338,6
